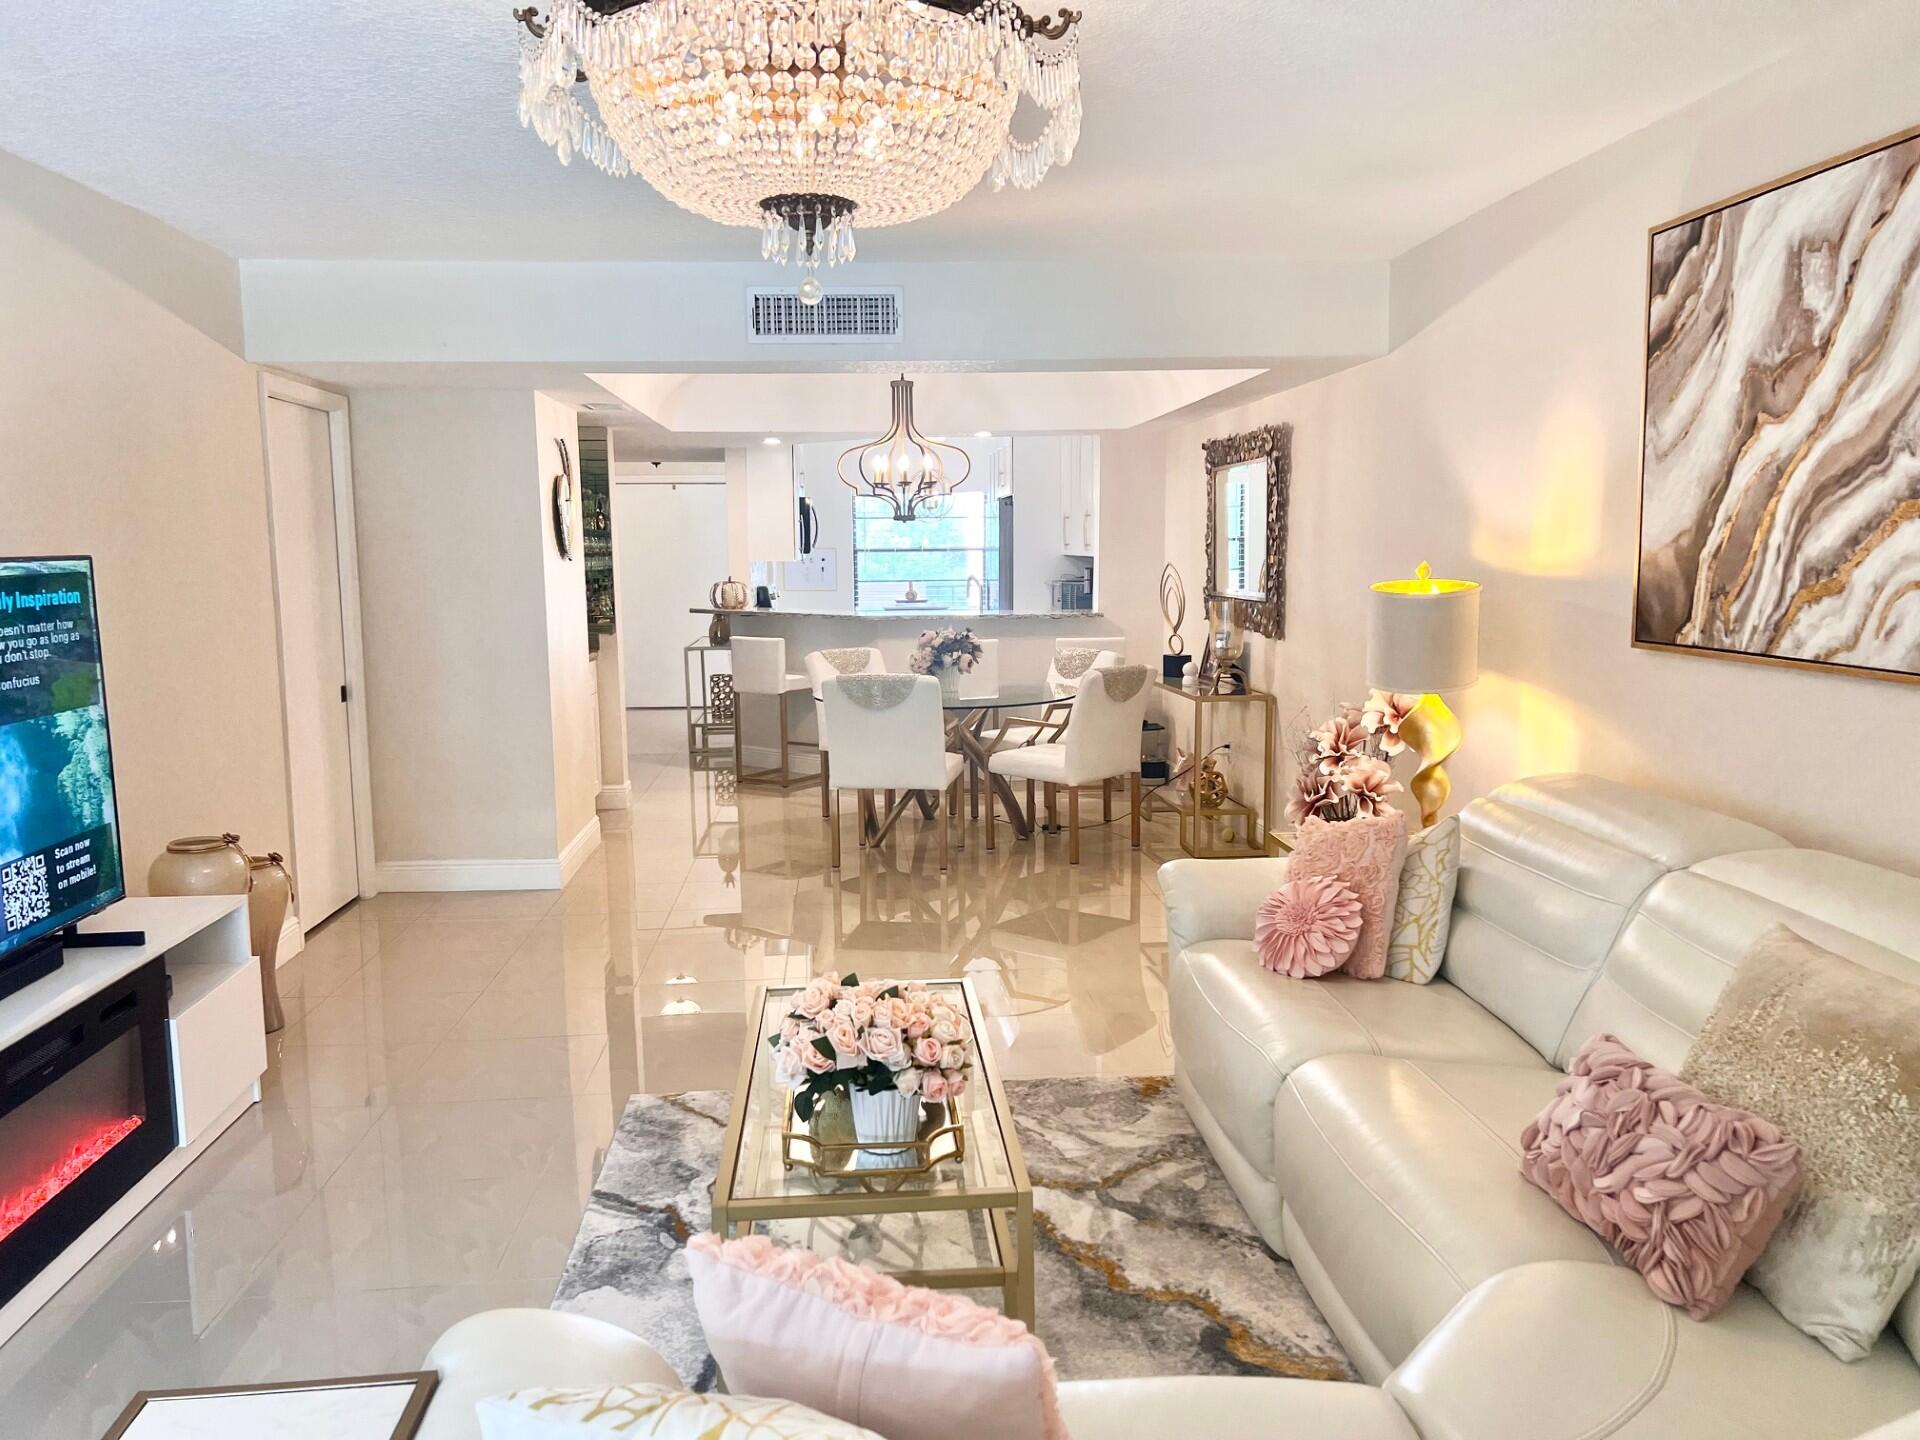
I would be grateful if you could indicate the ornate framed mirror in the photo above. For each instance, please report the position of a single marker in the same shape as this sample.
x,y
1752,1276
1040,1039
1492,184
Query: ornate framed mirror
x,y
1248,480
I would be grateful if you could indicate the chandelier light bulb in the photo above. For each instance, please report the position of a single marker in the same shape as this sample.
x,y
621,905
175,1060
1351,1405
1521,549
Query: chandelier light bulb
x,y
803,118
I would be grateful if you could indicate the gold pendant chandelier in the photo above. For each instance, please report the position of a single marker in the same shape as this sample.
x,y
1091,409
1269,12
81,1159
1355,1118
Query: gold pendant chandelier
x,y
803,118
911,473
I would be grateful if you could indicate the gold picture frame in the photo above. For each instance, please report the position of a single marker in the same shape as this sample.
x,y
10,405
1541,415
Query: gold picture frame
x,y
1667,613
1265,614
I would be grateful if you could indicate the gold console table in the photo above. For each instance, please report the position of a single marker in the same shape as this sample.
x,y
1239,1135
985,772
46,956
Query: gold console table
x,y
1201,827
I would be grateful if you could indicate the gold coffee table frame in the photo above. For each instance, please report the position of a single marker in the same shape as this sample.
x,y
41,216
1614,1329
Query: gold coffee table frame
x,y
989,1177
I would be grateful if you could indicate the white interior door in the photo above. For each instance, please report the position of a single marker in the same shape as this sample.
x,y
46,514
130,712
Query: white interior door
x,y
670,544
306,557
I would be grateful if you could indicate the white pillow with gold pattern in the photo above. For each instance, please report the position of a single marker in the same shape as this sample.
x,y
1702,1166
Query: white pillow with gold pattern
x,y
654,1412
1424,911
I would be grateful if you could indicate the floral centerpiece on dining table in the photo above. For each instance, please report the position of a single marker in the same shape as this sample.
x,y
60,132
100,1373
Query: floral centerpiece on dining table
x,y
946,654
891,1046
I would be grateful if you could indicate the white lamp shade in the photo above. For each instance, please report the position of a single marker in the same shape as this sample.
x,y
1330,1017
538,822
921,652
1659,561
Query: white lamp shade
x,y
1423,636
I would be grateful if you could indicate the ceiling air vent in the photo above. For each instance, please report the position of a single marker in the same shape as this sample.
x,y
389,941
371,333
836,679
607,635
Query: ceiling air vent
x,y
843,317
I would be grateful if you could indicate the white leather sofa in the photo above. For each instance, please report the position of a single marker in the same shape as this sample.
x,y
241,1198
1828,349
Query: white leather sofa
x,y
1372,1130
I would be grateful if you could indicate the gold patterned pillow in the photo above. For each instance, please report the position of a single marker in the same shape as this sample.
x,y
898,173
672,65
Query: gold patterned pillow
x,y
1830,1052
654,1412
1424,912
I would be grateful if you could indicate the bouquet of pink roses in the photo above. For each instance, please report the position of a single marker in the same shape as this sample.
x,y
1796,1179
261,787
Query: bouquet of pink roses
x,y
872,1035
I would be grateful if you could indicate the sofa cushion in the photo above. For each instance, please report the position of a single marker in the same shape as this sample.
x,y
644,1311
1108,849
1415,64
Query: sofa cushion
x,y
1550,869
1240,1030
1559,1350
1404,1176
1230,1406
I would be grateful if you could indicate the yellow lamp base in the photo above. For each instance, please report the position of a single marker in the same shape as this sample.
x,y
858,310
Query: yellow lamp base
x,y
1433,732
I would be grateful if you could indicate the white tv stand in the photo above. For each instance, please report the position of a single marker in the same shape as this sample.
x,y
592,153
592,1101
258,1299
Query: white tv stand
x,y
216,1038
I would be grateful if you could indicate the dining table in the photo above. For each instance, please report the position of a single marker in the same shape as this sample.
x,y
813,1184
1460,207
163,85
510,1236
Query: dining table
x,y
980,723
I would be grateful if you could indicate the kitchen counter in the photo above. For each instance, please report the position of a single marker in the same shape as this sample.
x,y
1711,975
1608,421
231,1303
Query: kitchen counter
x,y
780,611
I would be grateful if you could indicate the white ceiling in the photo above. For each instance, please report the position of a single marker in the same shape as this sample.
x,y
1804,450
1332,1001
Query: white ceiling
x,y
798,406
1301,128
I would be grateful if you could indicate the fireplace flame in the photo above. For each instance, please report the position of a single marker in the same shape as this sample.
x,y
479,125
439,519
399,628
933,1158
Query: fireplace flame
x,y
19,1207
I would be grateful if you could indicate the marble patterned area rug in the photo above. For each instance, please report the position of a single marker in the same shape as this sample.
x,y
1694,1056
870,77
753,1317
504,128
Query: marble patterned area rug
x,y
1146,1264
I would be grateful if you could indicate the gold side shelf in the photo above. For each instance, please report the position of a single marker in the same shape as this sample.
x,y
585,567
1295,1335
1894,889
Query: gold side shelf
x,y
1200,827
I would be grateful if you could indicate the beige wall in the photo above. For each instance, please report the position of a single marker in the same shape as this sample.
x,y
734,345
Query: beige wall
x,y
1500,439
571,702
454,613
128,434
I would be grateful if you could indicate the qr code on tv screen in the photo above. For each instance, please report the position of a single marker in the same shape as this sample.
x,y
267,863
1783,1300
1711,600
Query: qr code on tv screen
x,y
23,888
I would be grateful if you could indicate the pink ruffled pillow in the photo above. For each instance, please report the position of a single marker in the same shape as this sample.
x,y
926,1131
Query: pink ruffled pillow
x,y
1688,1190
1307,927
1365,854
912,1364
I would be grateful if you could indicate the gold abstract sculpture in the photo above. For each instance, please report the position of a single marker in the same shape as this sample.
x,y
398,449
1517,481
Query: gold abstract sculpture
x,y
1211,784
1173,608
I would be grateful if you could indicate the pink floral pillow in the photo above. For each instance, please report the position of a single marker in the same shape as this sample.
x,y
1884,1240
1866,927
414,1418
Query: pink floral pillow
x,y
1364,854
1307,927
1688,1190
912,1364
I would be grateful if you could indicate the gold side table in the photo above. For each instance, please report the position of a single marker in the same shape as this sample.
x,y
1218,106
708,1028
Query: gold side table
x,y
1200,827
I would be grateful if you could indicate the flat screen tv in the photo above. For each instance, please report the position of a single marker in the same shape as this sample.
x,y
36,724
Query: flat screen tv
x,y
59,832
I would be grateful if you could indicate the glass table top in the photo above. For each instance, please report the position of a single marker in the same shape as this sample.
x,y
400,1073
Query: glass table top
x,y
1013,694
760,1173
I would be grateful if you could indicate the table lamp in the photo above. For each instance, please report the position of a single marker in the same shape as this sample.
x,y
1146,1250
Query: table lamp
x,y
1423,637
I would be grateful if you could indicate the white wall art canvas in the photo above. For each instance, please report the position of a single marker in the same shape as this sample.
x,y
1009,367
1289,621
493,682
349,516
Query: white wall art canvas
x,y
1780,483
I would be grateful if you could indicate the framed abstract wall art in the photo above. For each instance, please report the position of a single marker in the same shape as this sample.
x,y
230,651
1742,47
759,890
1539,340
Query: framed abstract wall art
x,y
1780,462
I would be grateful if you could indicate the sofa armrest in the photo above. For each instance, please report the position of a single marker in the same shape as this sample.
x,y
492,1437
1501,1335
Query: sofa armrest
x,y
1569,1350
1216,899
501,1350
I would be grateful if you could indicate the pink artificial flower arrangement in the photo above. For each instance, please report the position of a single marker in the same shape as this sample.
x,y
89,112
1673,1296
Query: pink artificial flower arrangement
x,y
1342,770
872,1035
950,649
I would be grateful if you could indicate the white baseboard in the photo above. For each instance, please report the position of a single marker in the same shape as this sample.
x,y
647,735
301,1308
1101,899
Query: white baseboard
x,y
292,940
615,797
441,875
578,849
435,875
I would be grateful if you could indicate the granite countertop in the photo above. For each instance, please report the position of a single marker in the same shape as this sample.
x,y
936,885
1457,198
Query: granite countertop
x,y
779,611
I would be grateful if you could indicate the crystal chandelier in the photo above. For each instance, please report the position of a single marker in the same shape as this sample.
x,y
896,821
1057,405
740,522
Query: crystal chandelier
x,y
903,467
803,118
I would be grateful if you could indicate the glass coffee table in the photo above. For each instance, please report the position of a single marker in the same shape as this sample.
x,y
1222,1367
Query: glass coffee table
x,y
965,1224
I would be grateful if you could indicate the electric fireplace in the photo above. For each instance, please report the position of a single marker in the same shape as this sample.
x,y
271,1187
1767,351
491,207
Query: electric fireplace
x,y
86,1110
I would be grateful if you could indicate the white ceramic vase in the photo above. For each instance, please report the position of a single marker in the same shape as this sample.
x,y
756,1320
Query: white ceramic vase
x,y
890,1116
949,685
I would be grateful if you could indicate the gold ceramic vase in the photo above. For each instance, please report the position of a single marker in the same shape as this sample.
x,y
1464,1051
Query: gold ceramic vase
x,y
267,905
200,865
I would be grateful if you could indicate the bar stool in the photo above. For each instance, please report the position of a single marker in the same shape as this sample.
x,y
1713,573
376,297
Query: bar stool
x,y
822,666
760,668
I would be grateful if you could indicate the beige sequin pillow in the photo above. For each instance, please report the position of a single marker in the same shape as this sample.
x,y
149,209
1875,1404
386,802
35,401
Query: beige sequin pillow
x,y
1830,1052
1424,912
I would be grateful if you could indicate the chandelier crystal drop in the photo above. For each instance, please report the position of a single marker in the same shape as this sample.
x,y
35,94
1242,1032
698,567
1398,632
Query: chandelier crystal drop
x,y
803,118
911,473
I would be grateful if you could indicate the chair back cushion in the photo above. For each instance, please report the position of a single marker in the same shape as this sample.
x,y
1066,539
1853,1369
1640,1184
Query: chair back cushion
x,y
888,731
1550,869
759,665
823,665
1075,655
1102,738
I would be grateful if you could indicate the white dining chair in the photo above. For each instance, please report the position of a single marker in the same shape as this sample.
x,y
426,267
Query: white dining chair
x,y
822,666
1100,743
760,670
890,734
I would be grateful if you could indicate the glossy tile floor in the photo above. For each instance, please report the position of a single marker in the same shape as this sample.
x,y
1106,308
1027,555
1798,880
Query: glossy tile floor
x,y
453,1065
